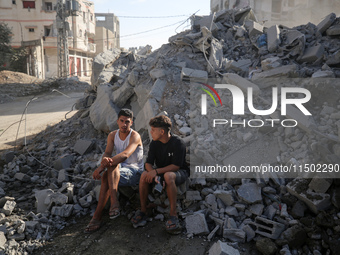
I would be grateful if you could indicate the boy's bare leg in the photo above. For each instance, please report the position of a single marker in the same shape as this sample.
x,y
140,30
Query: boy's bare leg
x,y
113,180
143,192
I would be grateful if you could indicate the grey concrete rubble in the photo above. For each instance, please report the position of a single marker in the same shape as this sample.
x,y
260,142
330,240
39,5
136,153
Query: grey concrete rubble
x,y
42,190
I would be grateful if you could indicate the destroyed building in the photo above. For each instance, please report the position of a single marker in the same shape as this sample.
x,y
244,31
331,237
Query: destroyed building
x,y
280,215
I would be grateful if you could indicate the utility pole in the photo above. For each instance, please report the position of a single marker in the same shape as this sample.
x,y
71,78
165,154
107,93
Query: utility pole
x,y
62,41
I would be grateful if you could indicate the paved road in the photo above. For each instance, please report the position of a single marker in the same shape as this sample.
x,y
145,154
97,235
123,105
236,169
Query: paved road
x,y
47,109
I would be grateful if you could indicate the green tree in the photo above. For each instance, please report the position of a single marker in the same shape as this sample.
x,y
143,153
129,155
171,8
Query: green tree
x,y
5,48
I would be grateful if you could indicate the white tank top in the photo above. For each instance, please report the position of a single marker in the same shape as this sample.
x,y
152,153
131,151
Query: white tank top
x,y
136,158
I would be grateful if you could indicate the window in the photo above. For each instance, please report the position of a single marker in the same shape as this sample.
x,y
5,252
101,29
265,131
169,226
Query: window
x,y
31,30
29,4
47,31
13,2
48,6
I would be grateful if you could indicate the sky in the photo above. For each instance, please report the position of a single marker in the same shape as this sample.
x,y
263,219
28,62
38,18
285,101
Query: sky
x,y
133,30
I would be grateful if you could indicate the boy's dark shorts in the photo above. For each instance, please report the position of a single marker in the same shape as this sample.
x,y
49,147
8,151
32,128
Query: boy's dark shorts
x,y
181,176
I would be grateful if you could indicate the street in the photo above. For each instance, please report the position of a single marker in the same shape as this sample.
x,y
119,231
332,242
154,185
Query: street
x,y
47,109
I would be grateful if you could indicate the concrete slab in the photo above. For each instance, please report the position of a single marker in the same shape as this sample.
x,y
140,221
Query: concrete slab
x,y
273,38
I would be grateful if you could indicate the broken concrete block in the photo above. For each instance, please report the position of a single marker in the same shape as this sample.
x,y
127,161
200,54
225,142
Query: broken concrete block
x,y
31,225
298,210
273,38
242,83
266,246
192,75
250,233
158,89
240,65
254,28
257,209
295,236
22,177
133,78
235,235
323,74
103,113
225,196
213,232
122,95
196,224
333,59
63,162
157,73
286,71
336,197
320,185
8,207
315,201
40,197
216,54
185,131
56,198
221,248
8,156
304,122
333,30
62,211
3,240
83,146
271,63
250,193
326,23
193,195
62,176
268,228
312,54
85,201
149,110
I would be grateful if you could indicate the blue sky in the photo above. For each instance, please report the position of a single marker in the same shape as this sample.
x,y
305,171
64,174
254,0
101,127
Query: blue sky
x,y
151,8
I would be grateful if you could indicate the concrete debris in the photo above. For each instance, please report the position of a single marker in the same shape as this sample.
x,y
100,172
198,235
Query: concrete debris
x,y
234,48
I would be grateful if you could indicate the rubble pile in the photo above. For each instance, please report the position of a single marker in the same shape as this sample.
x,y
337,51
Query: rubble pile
x,y
14,84
281,215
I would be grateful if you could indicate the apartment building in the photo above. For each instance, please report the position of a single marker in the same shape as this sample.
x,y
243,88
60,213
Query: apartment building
x,y
286,12
34,26
107,32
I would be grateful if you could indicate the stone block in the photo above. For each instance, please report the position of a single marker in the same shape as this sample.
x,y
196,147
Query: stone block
x,y
289,71
31,225
196,224
133,78
8,156
213,232
185,131
63,162
221,248
326,23
295,236
304,122
103,113
3,240
56,199
62,211
40,197
271,63
266,246
122,95
193,75
312,54
157,73
22,177
273,38
62,176
315,201
333,30
320,185
83,146
149,110
226,196
257,209
234,235
250,193
250,233
8,207
254,28
157,90
268,228
193,195
240,82
240,65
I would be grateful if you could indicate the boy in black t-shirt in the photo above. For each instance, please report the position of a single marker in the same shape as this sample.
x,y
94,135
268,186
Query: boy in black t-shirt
x,y
166,158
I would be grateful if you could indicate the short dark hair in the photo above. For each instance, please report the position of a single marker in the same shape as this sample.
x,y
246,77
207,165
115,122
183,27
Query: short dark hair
x,y
162,121
125,112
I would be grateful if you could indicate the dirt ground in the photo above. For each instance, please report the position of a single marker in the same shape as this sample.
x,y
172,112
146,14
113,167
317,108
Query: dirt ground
x,y
16,77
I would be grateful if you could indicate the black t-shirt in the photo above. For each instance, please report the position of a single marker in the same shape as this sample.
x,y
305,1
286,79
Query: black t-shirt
x,y
164,154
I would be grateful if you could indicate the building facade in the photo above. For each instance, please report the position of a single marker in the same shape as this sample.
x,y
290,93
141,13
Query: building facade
x,y
34,26
285,12
107,32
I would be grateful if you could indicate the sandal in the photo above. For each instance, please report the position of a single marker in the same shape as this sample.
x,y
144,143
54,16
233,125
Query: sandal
x,y
93,226
114,212
139,220
172,225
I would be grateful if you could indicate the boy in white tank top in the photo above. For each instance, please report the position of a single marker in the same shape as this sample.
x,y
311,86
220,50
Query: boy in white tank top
x,y
123,169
